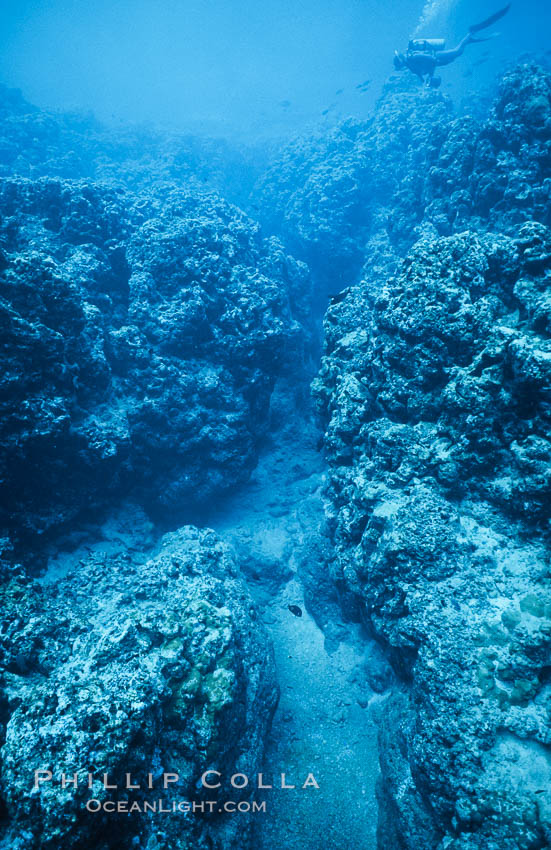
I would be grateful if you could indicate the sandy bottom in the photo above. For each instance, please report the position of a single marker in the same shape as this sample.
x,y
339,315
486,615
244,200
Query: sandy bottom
x,y
322,725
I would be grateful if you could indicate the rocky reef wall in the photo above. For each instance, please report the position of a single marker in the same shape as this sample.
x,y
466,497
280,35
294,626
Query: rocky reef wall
x,y
35,143
435,393
330,194
132,665
145,322
361,195
142,339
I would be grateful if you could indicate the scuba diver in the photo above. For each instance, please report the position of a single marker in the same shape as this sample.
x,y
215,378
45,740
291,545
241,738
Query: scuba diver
x,y
425,55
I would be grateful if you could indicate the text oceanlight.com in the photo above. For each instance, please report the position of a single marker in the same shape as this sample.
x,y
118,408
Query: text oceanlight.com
x,y
196,807
210,780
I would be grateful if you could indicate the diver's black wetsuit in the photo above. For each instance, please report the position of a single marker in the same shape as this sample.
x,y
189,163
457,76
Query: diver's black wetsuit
x,y
425,62
424,56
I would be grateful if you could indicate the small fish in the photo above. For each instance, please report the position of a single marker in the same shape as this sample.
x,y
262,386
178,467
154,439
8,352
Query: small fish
x,y
337,297
294,609
325,112
285,104
540,791
364,85
339,91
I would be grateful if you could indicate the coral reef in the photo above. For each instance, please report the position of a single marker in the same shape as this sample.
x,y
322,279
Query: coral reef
x,y
434,391
146,323
364,193
330,193
438,412
142,339
73,146
497,175
132,665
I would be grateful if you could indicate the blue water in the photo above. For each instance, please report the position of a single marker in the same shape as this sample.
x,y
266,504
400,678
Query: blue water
x,y
185,187
215,65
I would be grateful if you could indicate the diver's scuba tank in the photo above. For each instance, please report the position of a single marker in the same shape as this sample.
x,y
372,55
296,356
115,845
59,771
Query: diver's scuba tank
x,y
426,45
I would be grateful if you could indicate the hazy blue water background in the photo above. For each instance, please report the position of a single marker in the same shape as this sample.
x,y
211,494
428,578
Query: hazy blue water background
x,y
216,65
178,420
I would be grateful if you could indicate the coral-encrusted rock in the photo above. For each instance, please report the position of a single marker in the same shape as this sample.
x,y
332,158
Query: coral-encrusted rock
x,y
367,190
132,666
35,143
330,193
437,402
497,173
142,339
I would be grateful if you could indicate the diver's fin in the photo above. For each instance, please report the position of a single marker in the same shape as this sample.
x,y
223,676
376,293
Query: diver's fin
x,y
492,20
479,39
